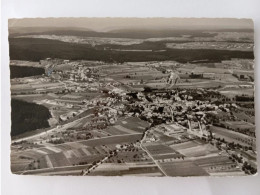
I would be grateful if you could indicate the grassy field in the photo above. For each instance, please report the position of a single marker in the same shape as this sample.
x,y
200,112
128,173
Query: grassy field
x,y
58,156
109,169
184,145
208,161
240,91
243,116
114,131
219,164
71,170
232,136
113,140
168,156
239,124
199,150
157,149
72,153
182,169
134,124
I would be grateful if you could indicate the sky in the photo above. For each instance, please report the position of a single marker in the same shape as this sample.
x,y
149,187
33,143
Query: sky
x,y
107,24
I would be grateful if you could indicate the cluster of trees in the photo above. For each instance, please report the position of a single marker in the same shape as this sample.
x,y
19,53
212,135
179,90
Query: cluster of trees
x,y
81,163
56,141
196,76
25,71
86,137
234,157
30,92
248,169
233,146
28,116
244,98
34,165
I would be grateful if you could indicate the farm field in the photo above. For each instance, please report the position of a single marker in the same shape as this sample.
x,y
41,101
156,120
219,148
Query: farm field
x,y
68,170
182,169
212,45
232,136
234,92
215,165
239,124
159,149
71,153
184,145
113,140
200,150
243,116
109,169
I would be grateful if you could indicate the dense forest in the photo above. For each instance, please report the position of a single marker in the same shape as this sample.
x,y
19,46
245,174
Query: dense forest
x,y
28,117
25,71
32,49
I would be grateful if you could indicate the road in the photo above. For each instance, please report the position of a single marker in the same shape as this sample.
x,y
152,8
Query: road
x,y
85,172
143,148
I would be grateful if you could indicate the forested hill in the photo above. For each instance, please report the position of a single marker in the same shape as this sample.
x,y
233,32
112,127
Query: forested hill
x,y
32,49
25,71
27,116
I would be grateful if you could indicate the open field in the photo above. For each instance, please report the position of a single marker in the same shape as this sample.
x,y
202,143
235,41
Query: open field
x,y
212,45
239,124
182,169
243,116
232,136
200,150
113,140
184,145
234,92
70,153
67,170
159,149
127,170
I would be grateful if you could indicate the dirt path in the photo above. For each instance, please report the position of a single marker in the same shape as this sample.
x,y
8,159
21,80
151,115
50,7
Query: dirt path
x,y
144,149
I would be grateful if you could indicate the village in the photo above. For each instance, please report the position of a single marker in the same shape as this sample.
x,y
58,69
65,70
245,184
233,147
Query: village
x,y
168,116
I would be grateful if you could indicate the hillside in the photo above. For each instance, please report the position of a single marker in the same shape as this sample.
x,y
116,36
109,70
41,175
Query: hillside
x,y
36,49
25,71
27,116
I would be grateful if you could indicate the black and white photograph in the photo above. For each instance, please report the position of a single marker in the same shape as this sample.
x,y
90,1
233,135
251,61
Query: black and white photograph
x,y
148,97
